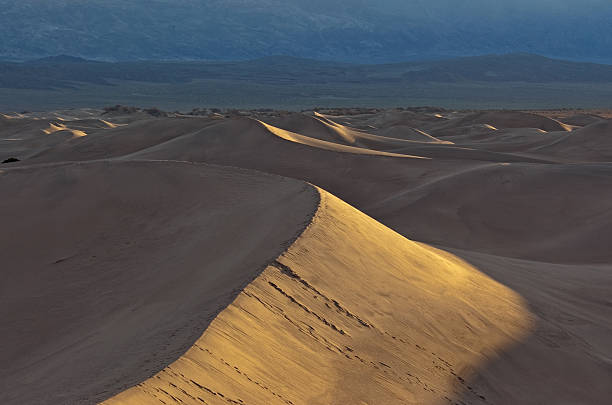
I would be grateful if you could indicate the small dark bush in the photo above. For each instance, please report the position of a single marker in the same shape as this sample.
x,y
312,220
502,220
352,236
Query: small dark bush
x,y
120,109
156,112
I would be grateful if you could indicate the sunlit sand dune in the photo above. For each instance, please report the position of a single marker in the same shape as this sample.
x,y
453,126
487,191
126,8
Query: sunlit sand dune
x,y
352,313
318,143
403,135
323,127
58,127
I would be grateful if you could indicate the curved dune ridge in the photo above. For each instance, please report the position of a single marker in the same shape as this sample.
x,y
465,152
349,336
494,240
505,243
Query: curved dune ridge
x,y
403,133
332,146
322,127
58,127
352,313
198,259
113,269
366,139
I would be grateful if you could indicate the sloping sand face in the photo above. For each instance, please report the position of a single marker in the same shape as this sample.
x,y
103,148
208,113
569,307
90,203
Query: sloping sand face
x,y
592,143
352,313
112,270
512,119
331,146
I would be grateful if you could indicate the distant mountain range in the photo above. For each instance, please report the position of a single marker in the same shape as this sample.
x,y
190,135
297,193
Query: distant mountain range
x,y
362,31
69,71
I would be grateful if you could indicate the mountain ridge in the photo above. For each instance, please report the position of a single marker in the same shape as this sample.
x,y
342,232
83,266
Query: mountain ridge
x,y
65,71
354,30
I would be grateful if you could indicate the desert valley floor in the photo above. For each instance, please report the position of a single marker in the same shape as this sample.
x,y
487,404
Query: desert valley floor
x,y
408,256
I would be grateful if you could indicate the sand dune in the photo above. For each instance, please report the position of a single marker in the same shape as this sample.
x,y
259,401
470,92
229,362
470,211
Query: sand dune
x,y
323,127
321,326
351,135
410,134
58,127
113,269
335,147
165,260
514,211
389,131
309,125
566,358
386,119
511,119
581,120
120,140
592,143
21,136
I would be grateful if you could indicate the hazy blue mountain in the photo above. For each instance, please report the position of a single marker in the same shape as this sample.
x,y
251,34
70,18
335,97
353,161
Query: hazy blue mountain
x,y
349,30
494,81
68,71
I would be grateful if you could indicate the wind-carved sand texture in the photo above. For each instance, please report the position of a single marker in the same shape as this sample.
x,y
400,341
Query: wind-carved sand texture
x,y
264,258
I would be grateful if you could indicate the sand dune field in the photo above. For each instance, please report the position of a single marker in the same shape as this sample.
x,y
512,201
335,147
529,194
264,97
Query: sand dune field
x,y
417,256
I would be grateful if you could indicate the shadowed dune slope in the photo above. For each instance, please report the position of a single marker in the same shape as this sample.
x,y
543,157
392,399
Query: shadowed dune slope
x,y
513,140
566,358
581,119
202,139
30,138
510,119
385,119
517,210
324,128
201,134
112,269
305,124
421,198
356,177
410,134
352,313
592,143
332,146
117,141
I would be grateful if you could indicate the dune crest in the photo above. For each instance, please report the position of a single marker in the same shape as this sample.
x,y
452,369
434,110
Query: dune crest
x,y
148,254
55,127
352,313
331,146
404,136
110,124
